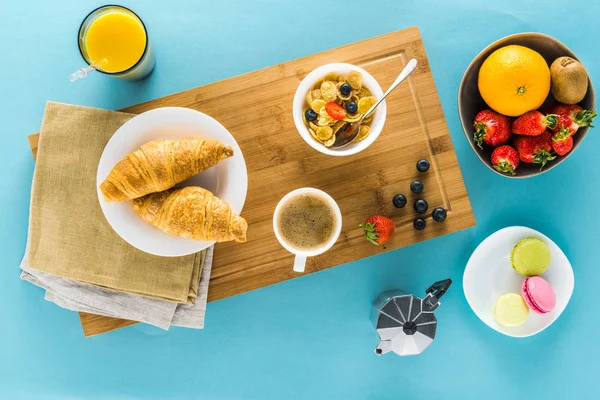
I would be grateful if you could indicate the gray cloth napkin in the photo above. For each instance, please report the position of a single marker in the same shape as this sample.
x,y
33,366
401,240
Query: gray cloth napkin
x,y
79,296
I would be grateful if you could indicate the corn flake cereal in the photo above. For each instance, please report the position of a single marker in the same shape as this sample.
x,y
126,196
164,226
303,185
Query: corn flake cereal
x,y
329,91
353,117
324,133
324,118
329,143
309,98
355,80
324,127
365,103
363,92
332,76
317,105
363,132
313,134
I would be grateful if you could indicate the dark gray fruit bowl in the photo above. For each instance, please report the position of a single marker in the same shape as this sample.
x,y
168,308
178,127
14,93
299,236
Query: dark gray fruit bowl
x,y
470,101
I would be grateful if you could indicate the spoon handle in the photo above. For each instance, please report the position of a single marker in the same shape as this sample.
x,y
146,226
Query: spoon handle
x,y
410,67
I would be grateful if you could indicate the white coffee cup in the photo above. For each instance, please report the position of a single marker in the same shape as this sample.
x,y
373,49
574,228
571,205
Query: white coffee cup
x,y
301,255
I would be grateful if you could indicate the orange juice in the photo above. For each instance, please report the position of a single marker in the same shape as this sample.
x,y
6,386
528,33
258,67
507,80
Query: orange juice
x,y
114,40
118,38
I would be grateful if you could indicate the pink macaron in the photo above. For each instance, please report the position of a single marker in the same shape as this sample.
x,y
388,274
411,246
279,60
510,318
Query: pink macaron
x,y
538,295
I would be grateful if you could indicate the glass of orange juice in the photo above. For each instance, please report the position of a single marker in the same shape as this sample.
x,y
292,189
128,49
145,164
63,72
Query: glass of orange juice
x,y
115,41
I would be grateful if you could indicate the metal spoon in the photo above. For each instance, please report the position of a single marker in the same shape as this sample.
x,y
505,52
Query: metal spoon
x,y
349,132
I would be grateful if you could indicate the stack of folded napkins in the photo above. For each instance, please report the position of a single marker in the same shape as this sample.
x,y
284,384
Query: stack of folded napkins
x,y
74,254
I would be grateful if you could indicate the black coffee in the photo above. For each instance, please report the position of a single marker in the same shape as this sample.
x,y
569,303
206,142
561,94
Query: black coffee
x,y
306,222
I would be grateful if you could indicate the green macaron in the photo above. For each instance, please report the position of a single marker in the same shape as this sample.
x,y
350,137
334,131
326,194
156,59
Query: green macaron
x,y
530,257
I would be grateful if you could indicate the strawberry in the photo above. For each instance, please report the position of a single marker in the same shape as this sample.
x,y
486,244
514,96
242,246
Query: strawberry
x,y
535,149
505,159
572,117
335,110
562,141
491,128
534,123
378,229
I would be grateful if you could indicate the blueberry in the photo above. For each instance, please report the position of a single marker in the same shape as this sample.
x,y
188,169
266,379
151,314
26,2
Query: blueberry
x,y
345,89
420,206
439,214
423,165
310,115
416,187
399,201
419,224
351,107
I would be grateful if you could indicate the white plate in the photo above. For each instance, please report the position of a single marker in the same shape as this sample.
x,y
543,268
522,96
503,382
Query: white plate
x,y
228,180
489,274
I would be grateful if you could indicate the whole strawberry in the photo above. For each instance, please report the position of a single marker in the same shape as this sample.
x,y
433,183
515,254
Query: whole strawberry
x,y
378,229
491,128
562,141
533,123
535,149
505,159
572,117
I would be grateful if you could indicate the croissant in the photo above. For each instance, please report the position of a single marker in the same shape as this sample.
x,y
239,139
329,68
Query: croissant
x,y
160,165
192,212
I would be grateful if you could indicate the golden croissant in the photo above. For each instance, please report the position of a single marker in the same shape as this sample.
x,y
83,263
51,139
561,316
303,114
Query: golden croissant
x,y
193,213
160,165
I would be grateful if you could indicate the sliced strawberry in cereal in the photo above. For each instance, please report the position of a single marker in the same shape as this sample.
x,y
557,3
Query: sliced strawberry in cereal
x,y
336,111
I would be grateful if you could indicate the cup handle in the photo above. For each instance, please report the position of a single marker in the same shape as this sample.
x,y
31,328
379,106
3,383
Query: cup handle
x,y
299,263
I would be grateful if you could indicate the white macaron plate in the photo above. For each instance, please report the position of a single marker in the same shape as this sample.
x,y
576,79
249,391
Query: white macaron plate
x,y
228,180
489,274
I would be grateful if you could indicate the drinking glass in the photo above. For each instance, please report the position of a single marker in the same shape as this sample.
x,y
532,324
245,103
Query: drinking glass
x,y
142,67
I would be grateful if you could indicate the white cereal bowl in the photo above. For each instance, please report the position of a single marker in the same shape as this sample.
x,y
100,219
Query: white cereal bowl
x,y
489,274
300,104
227,180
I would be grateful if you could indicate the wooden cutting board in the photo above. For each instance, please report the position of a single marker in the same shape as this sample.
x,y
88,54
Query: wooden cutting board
x,y
256,109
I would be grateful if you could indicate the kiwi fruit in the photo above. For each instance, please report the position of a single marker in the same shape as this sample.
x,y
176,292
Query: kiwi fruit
x,y
569,80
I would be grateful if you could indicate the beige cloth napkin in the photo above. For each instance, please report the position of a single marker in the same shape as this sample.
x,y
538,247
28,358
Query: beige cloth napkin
x,y
68,234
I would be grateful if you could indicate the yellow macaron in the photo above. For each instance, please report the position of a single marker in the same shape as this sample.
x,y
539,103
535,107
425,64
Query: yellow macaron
x,y
511,310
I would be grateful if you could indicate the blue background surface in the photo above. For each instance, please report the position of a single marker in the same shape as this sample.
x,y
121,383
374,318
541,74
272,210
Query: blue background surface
x,y
310,337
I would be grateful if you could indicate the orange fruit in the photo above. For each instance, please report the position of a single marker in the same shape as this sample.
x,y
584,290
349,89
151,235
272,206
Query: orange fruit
x,y
513,80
